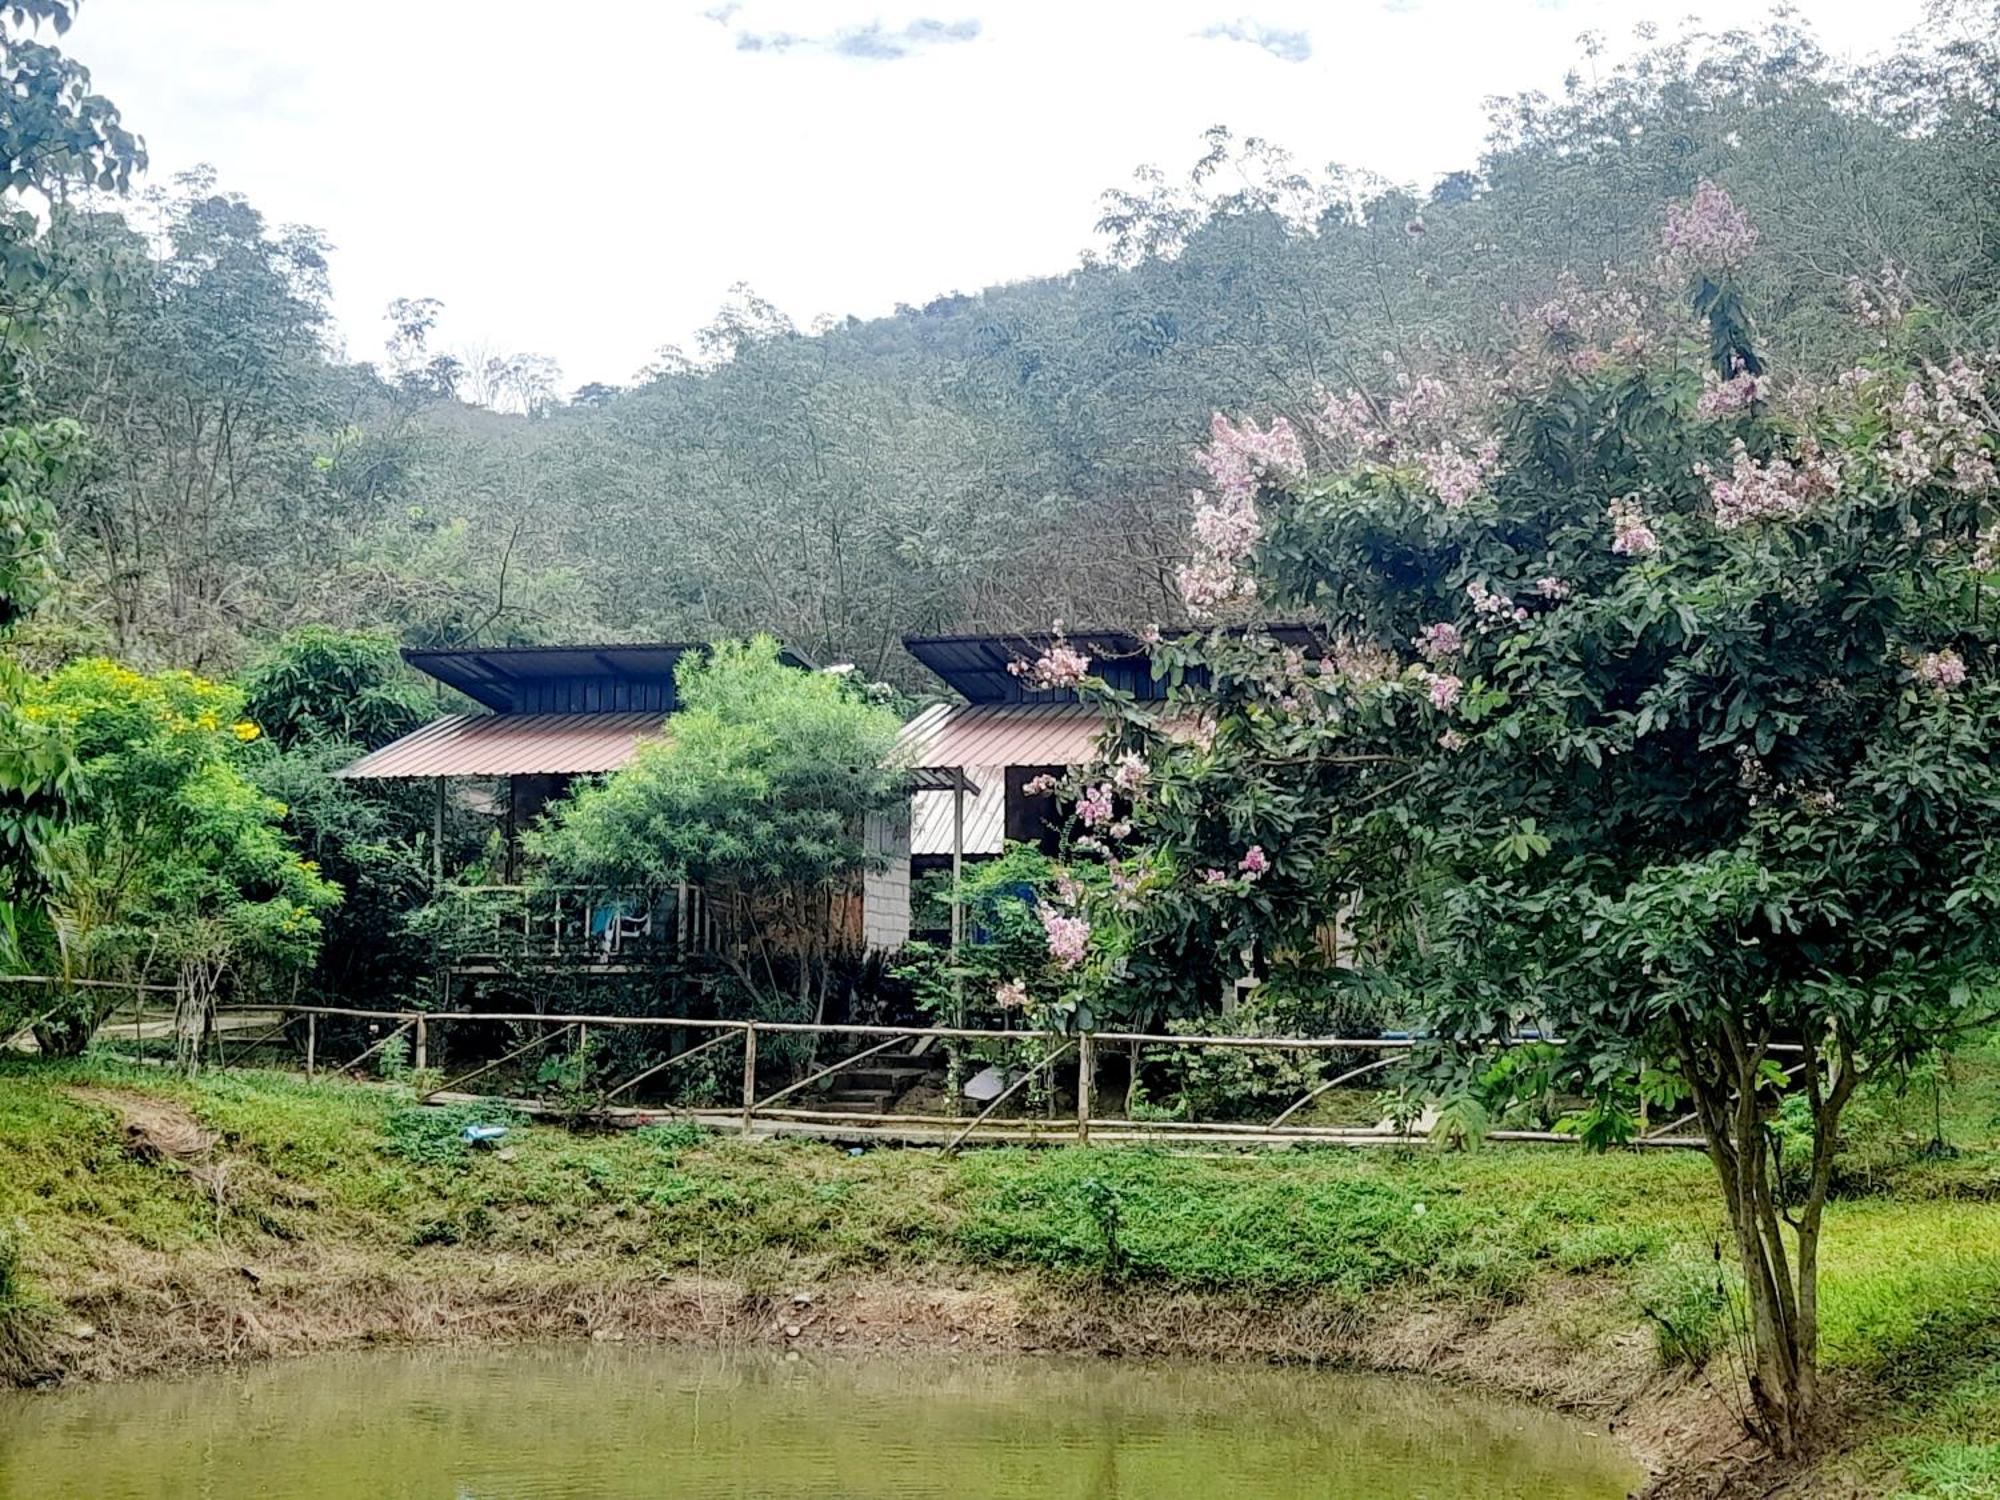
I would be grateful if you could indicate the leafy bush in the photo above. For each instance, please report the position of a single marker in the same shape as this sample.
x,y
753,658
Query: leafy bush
x,y
433,1135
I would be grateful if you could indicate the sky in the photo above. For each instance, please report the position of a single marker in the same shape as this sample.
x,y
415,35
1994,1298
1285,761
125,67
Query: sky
x,y
588,179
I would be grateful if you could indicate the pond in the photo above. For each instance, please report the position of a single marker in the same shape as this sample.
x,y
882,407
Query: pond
x,y
613,1421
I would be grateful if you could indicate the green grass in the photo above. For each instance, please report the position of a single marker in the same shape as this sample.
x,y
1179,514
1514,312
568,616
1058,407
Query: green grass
x,y
1911,1262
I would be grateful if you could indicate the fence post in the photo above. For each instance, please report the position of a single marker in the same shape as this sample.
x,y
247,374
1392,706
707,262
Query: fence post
x,y
423,1056
312,1045
1086,1064
749,1072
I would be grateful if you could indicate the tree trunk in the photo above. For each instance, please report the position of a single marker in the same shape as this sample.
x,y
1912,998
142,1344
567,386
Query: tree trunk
x,y
1780,1290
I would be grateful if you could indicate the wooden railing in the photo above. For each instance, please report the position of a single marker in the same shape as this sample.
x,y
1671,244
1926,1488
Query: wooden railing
x,y
782,1111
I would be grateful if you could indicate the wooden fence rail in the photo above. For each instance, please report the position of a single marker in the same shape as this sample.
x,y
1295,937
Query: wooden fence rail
x,y
775,1115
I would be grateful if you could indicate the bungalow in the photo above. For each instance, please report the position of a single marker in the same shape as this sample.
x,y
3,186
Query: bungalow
x,y
540,717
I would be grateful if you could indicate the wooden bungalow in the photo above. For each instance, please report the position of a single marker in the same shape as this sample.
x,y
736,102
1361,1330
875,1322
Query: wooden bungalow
x,y
538,717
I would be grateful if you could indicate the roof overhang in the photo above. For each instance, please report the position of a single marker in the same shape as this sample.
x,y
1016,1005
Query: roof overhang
x,y
512,745
491,674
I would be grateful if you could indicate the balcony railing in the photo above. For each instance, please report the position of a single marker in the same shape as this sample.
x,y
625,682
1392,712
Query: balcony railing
x,y
510,928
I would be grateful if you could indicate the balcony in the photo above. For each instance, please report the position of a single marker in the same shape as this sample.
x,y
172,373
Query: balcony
x,y
517,929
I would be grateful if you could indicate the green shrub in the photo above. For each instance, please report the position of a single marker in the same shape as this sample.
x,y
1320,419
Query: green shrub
x,y
433,1136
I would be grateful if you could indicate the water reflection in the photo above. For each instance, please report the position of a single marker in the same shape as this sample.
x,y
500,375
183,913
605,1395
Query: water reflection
x,y
576,1423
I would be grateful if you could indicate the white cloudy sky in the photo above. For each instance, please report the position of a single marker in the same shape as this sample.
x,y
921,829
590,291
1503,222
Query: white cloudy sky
x,y
587,178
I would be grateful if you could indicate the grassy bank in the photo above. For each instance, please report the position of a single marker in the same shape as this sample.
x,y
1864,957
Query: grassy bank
x,y
152,1222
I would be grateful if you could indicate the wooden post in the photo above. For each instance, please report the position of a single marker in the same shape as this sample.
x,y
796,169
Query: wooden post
x,y
312,1044
954,1079
423,1057
1086,1061
749,1073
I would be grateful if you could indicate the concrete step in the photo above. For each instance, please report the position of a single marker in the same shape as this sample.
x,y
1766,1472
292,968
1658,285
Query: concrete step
x,y
893,1076
853,1101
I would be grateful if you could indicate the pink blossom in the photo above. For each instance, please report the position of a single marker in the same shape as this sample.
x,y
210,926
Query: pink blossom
x,y
1942,670
1238,459
1128,773
1451,740
1013,995
1436,642
1708,233
1775,490
1551,587
1094,807
1443,689
1631,536
1941,434
1040,786
1061,666
1213,876
1254,862
1883,304
1492,607
1455,476
1068,936
1728,398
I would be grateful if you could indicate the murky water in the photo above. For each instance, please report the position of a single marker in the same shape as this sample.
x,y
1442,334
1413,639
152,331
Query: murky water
x,y
569,1423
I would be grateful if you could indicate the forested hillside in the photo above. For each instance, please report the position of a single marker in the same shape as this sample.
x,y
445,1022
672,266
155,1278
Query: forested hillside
x,y
987,460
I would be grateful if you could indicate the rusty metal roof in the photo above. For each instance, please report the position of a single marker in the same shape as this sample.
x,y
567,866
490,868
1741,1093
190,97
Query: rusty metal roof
x,y
512,745
1000,734
985,815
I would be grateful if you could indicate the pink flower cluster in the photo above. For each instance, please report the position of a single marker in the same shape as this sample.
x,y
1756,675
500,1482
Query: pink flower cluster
x,y
1776,490
1451,740
1580,328
1429,427
1708,233
1731,397
1068,936
1094,807
1631,535
1491,607
1225,531
1128,773
1883,303
1254,862
1013,995
1226,527
1238,459
1552,587
1442,688
1061,666
1941,430
1940,670
1436,642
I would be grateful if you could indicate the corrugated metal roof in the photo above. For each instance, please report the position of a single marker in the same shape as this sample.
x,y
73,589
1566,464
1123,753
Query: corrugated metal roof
x,y
512,745
985,815
492,674
1000,734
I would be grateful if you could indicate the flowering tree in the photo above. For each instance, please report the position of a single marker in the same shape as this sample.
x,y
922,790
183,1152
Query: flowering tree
x,y
1654,706
174,863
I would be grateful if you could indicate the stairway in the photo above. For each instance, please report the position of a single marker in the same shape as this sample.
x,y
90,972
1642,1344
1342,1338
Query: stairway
x,y
871,1089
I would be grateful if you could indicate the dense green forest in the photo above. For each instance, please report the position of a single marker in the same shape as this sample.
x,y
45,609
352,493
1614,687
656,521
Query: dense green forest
x,y
994,459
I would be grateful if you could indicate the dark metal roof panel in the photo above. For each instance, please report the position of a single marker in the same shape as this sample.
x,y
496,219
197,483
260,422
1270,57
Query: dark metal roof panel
x,y
487,674
512,745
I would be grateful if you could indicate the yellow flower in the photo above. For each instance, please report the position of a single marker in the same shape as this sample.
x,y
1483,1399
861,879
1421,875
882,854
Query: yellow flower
x,y
245,731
